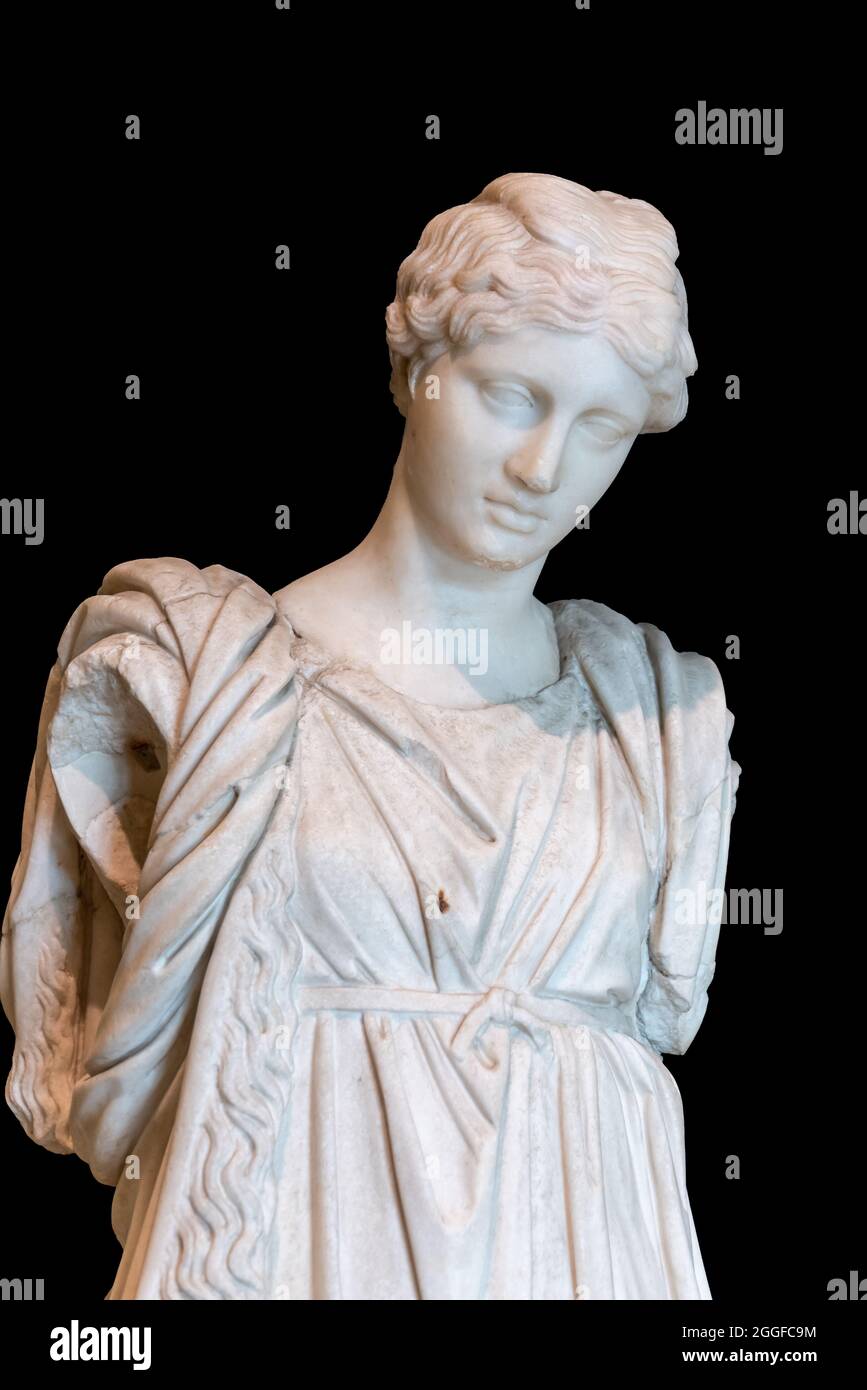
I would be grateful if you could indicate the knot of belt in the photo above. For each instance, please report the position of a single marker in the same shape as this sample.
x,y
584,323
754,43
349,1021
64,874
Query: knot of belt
x,y
499,1006
505,1008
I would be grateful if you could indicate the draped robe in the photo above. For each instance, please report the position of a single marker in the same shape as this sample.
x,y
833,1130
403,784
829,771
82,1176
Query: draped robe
x,y
242,995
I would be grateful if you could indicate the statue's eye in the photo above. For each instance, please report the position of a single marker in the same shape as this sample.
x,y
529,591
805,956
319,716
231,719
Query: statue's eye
x,y
514,397
603,430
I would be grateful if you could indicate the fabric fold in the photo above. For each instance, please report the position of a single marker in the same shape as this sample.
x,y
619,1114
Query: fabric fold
x,y
353,997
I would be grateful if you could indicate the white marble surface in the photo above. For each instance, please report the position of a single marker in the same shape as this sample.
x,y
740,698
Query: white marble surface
x,y
348,953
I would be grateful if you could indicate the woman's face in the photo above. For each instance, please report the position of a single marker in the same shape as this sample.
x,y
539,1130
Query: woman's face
x,y
515,438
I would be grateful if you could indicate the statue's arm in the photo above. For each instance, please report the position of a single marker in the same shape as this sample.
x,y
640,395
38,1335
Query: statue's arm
x,y
169,706
699,781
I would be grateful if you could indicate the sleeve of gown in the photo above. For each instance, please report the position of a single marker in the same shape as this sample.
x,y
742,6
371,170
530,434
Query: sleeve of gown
x,y
165,721
698,785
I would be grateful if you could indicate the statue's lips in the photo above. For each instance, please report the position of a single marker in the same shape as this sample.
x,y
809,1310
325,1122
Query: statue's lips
x,y
513,518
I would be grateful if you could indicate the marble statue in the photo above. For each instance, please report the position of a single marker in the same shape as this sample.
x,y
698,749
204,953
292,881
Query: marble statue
x,y
348,928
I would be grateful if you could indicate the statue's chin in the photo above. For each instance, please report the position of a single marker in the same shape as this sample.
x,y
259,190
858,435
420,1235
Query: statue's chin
x,y
496,551
490,562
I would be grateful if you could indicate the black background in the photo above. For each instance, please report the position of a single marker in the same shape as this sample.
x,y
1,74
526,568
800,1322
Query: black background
x,y
263,387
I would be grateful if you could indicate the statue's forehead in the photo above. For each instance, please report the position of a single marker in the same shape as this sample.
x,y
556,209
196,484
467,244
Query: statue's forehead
x,y
559,358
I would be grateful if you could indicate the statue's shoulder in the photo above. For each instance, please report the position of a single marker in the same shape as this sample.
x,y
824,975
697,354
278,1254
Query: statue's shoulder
x,y
596,627
666,707
171,601
168,578
637,655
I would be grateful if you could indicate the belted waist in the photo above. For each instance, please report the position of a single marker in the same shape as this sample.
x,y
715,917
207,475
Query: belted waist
x,y
499,1006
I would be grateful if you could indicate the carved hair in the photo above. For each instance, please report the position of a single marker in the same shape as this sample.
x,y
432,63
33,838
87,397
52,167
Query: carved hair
x,y
537,249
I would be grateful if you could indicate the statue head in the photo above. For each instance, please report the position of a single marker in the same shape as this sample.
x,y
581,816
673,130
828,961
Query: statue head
x,y
534,333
